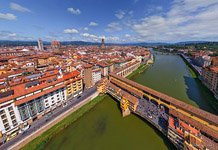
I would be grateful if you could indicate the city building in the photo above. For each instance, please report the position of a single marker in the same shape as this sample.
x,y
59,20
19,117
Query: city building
x,y
104,68
102,43
40,45
27,98
33,82
96,75
55,44
202,61
88,76
74,83
210,79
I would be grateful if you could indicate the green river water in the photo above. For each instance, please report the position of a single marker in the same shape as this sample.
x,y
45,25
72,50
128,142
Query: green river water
x,y
103,128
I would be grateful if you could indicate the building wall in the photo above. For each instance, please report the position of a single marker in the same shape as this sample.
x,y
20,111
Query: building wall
x,y
104,71
210,79
111,68
88,77
74,88
96,75
54,99
9,118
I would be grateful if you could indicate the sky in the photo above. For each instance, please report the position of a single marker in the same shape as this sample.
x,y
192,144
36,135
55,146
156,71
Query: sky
x,y
118,21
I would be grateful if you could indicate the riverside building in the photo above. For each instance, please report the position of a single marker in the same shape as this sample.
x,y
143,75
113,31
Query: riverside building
x,y
26,98
34,82
210,79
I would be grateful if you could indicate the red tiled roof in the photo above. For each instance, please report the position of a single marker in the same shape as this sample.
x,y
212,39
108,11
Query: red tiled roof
x,y
195,123
75,73
20,89
214,69
87,65
102,64
27,99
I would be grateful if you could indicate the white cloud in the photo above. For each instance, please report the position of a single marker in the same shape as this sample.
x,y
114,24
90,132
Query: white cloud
x,y
131,13
74,11
18,7
114,39
120,14
7,35
127,35
7,16
186,20
113,27
71,31
86,29
93,24
89,35
96,38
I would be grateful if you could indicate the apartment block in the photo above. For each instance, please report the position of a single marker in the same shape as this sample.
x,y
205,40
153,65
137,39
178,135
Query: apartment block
x,y
27,98
210,79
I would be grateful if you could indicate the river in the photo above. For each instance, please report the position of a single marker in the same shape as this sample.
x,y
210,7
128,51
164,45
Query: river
x,y
103,128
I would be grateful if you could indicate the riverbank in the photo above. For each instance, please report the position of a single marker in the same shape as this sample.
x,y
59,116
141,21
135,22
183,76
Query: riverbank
x,y
41,140
196,69
140,69
195,75
104,128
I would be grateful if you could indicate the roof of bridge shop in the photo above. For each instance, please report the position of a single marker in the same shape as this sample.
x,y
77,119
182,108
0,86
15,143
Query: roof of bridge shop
x,y
211,118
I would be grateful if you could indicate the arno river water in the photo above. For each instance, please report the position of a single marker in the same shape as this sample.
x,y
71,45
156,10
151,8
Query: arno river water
x,y
103,128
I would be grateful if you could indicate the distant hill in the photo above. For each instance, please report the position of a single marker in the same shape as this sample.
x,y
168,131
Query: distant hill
x,y
196,44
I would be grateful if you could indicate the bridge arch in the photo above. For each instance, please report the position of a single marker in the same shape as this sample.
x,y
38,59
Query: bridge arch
x,y
146,97
154,101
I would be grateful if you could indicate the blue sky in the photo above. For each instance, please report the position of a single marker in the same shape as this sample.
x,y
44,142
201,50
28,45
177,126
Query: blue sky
x,y
116,20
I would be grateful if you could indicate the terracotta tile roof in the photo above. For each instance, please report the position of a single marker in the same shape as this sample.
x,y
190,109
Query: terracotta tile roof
x,y
75,73
211,118
214,69
21,90
27,99
87,65
124,94
195,123
103,64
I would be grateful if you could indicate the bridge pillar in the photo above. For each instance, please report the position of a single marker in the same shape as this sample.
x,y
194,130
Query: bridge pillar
x,y
124,104
126,112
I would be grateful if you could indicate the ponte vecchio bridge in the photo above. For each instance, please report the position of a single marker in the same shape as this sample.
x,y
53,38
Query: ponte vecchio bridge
x,y
187,127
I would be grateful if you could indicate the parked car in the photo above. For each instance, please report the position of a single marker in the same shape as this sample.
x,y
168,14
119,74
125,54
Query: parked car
x,y
11,136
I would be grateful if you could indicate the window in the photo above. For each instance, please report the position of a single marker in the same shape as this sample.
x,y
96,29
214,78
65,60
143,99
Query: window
x,y
24,113
1,112
3,116
7,127
10,109
32,109
13,117
14,122
11,113
4,121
